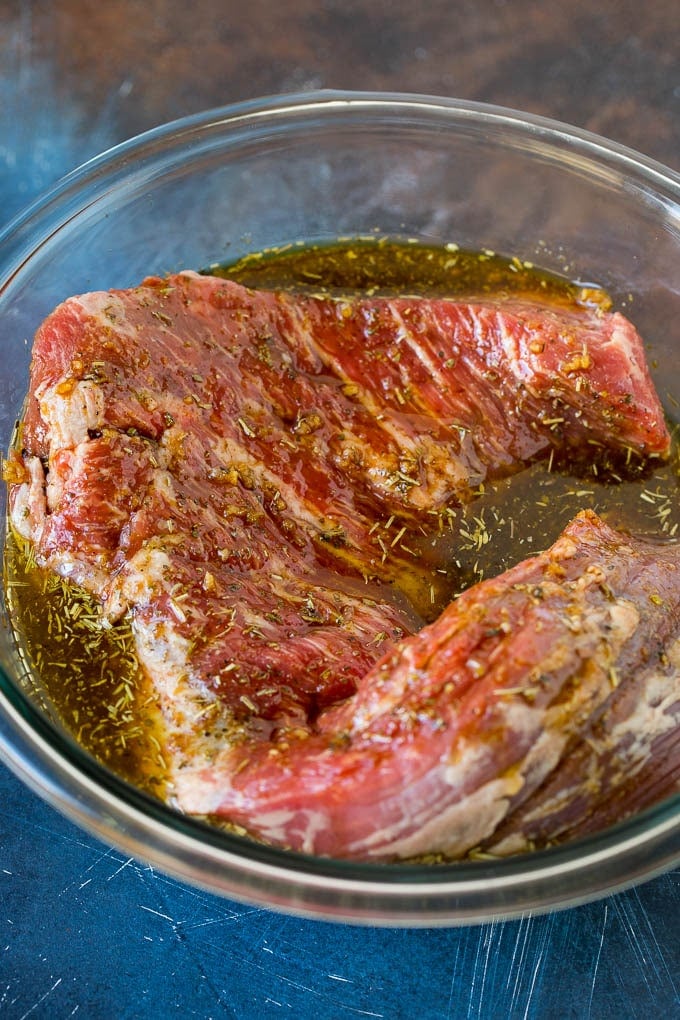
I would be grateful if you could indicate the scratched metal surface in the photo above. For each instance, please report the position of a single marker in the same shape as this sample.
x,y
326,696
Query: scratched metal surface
x,y
86,931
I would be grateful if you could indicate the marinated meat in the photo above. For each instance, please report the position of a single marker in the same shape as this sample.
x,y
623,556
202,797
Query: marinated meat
x,y
532,699
244,473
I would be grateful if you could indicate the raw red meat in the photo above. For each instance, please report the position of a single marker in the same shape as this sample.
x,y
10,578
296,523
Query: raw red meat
x,y
572,657
247,472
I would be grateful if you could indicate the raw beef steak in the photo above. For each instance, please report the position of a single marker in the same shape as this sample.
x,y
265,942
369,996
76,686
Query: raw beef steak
x,y
531,703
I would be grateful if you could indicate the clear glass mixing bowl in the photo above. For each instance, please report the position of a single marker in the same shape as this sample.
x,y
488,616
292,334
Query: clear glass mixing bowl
x,y
314,167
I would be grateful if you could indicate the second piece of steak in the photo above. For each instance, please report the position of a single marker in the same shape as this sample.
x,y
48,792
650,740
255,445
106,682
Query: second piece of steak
x,y
528,705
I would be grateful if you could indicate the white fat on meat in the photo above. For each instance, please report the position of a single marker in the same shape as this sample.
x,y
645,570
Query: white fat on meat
x,y
71,411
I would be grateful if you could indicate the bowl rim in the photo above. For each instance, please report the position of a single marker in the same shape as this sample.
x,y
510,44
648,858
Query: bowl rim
x,y
250,111
372,893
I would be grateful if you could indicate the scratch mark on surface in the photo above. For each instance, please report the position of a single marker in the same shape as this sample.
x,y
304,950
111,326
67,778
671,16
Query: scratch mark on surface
x,y
659,955
363,1012
636,937
517,965
227,918
597,958
452,987
183,927
150,910
125,864
532,986
320,995
41,999
104,855
336,977
489,954
475,1007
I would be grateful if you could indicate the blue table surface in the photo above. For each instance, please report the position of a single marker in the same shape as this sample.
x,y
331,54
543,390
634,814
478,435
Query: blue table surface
x,y
86,930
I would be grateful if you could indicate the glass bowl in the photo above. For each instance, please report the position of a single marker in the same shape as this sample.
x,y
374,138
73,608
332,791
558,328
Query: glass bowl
x,y
213,187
